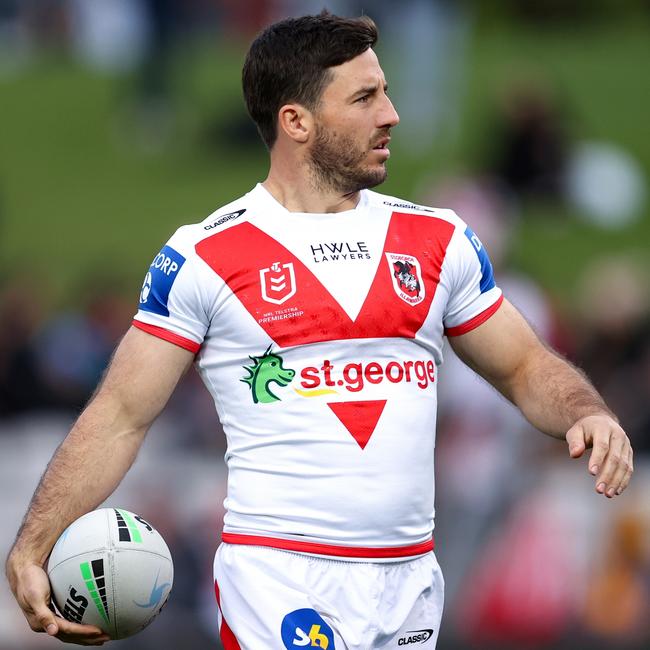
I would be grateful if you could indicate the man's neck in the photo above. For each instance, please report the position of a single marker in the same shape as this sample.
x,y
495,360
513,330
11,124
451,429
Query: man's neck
x,y
298,195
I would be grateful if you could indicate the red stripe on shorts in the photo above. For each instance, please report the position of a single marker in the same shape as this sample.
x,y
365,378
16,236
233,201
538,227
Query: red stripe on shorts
x,y
329,549
225,633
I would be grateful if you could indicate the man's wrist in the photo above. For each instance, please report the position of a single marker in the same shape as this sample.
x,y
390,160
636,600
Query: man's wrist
x,y
599,412
13,566
18,559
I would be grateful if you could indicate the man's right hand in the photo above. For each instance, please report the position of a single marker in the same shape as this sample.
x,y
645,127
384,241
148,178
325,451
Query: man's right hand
x,y
31,588
88,466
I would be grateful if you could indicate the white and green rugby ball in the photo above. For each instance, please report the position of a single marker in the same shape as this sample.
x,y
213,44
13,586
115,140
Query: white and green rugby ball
x,y
112,569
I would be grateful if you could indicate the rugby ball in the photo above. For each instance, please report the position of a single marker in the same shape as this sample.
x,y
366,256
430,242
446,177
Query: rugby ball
x,y
112,569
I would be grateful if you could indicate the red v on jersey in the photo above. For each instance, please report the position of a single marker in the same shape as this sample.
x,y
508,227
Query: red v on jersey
x,y
359,418
241,254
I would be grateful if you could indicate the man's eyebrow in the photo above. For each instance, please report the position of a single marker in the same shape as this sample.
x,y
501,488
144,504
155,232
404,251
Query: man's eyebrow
x,y
369,90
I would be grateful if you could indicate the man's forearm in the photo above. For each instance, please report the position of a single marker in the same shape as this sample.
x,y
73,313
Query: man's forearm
x,y
83,472
88,466
553,394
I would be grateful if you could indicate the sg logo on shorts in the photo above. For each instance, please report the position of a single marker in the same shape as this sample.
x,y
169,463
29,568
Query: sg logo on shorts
x,y
304,628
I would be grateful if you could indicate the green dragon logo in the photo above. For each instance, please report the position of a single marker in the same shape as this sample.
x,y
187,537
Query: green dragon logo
x,y
265,370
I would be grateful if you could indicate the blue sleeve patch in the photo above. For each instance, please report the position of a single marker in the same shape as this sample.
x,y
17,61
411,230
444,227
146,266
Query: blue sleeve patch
x,y
487,275
159,280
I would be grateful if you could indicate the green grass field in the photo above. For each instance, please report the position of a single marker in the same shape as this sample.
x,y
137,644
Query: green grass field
x,y
78,200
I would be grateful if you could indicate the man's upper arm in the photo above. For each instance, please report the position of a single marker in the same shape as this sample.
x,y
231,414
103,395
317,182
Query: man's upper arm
x,y
498,348
167,331
142,376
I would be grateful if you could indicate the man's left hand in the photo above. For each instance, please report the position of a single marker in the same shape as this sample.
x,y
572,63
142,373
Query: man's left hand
x,y
611,458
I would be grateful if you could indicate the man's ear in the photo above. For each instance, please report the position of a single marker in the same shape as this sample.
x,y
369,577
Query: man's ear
x,y
296,121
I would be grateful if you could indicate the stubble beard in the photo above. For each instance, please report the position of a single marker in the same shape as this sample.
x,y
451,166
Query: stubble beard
x,y
336,163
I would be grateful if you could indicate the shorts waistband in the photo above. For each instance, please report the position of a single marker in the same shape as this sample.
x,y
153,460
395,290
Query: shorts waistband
x,y
334,550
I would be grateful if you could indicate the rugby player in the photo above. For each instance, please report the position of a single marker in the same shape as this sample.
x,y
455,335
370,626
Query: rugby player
x,y
315,310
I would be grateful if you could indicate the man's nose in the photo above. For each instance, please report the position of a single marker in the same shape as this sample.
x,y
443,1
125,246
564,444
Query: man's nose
x,y
389,116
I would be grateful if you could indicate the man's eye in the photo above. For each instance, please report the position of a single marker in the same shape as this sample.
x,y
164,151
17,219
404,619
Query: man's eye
x,y
363,99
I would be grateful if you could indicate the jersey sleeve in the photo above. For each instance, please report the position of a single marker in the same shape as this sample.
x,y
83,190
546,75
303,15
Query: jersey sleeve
x,y
174,301
474,296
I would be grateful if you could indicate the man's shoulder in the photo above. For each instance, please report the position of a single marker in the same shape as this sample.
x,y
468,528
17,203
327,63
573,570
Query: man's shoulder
x,y
224,217
189,235
375,199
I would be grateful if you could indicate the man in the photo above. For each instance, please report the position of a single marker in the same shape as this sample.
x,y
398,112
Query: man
x,y
315,311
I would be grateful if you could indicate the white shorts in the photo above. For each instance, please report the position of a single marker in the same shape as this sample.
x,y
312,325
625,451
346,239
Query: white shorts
x,y
271,599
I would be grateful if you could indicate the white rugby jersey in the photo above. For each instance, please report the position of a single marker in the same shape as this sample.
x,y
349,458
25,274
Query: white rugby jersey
x,y
320,339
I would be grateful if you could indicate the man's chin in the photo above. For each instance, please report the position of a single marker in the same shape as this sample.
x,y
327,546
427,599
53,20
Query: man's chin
x,y
376,177
364,182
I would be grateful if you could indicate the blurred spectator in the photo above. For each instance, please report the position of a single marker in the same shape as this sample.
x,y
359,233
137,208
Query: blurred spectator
x,y
15,43
110,35
74,347
614,304
621,586
530,145
47,21
523,588
21,387
532,154
248,18
56,363
426,70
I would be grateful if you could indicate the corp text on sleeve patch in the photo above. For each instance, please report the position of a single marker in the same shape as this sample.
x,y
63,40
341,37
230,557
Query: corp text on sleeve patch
x,y
159,280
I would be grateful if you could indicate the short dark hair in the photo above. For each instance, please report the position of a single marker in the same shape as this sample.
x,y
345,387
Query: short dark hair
x,y
290,60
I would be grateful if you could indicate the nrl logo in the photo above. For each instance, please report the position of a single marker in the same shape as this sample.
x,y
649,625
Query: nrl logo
x,y
406,275
278,282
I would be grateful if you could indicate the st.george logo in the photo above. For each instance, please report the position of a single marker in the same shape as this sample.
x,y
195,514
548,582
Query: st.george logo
x,y
305,628
278,282
407,277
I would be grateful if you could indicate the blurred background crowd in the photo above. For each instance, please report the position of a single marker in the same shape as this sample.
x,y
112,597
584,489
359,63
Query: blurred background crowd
x,y
122,119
